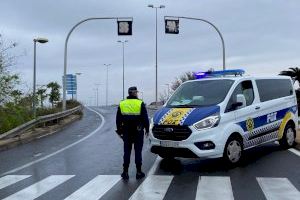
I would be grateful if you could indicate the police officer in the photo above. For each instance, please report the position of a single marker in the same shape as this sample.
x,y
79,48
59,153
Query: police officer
x,y
132,120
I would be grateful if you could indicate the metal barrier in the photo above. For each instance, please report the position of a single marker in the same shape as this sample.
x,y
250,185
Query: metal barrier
x,y
42,119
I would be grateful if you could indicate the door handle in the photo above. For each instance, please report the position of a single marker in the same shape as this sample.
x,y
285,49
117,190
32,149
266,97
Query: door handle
x,y
257,108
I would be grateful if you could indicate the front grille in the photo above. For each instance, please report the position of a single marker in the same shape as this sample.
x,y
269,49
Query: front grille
x,y
179,132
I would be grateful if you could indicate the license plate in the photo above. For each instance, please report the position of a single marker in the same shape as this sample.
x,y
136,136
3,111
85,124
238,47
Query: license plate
x,y
169,144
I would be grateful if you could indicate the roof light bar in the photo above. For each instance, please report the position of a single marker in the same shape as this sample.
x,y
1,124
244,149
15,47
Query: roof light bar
x,y
232,72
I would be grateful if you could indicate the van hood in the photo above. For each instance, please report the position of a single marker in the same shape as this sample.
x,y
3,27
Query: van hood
x,y
183,116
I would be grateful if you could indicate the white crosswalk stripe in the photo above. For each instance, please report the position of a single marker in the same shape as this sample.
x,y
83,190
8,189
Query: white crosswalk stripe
x,y
278,189
154,187
11,179
214,187
39,188
96,188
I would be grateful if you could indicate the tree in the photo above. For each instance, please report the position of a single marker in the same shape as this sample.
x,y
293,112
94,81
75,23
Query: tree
x,y
181,79
16,96
41,92
8,81
54,95
293,72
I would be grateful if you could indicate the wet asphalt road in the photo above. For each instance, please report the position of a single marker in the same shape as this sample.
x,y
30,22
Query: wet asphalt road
x,y
81,151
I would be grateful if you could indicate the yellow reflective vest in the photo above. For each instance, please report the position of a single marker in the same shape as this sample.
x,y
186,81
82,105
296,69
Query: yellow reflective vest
x,y
131,107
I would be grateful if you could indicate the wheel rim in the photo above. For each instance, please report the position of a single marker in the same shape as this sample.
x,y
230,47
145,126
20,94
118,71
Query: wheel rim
x,y
234,151
290,137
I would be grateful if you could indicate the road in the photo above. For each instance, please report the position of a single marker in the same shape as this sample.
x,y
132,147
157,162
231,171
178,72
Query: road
x,y
84,160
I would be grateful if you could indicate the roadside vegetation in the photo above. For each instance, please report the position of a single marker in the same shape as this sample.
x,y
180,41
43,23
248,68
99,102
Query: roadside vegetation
x,y
16,105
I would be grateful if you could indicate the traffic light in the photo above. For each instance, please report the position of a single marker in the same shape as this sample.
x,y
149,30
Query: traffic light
x,y
172,26
124,27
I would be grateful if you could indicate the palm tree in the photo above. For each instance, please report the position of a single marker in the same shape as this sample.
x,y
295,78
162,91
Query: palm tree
x,y
54,95
293,72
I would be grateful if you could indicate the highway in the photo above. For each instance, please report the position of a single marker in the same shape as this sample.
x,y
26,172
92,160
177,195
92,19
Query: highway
x,y
84,161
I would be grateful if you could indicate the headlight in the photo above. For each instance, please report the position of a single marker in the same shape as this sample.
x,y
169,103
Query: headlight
x,y
208,122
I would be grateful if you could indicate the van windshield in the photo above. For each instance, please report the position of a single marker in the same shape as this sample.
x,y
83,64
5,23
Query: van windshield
x,y
200,93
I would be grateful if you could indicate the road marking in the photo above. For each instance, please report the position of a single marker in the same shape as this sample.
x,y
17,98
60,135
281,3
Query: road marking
x,y
11,179
96,188
214,187
295,151
40,188
278,189
155,165
61,150
154,187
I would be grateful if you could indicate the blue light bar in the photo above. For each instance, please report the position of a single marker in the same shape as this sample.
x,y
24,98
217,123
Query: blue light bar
x,y
234,72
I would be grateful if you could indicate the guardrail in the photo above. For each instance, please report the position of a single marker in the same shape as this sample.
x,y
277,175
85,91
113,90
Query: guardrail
x,y
42,119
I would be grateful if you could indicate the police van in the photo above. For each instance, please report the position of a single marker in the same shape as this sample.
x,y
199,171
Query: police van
x,y
222,113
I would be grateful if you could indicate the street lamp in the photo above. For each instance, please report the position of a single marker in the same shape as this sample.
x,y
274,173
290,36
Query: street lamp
x,y
97,92
123,42
77,74
107,65
124,28
39,40
172,26
156,7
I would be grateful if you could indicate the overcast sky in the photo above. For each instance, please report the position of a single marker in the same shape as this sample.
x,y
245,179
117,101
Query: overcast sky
x,y
261,36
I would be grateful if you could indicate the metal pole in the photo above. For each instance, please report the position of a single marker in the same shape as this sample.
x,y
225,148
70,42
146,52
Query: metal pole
x,y
156,57
123,73
107,85
34,79
66,52
218,31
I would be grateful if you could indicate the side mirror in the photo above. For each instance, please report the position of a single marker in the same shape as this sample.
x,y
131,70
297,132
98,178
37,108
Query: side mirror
x,y
240,101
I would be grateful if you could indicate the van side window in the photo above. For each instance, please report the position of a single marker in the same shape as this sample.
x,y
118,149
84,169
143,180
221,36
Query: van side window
x,y
269,89
245,88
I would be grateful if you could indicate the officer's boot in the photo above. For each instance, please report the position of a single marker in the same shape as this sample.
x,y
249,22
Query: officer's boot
x,y
125,175
139,173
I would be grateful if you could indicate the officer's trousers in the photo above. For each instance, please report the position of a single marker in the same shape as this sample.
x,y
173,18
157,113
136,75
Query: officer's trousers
x,y
130,139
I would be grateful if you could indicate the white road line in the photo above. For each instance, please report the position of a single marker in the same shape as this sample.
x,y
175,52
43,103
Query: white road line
x,y
214,187
153,188
295,151
61,150
96,188
278,189
40,188
155,165
11,179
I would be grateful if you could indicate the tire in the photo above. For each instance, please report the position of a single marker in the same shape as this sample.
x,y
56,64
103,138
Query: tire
x,y
288,138
233,151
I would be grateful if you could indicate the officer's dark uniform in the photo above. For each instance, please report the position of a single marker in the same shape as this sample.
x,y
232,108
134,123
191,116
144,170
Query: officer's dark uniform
x,y
132,119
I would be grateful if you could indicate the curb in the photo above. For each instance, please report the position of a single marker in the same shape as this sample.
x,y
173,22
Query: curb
x,y
36,133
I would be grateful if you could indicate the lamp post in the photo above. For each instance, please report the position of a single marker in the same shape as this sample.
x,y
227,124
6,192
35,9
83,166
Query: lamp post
x,y
123,42
97,92
168,84
156,7
77,74
124,28
39,40
174,28
107,65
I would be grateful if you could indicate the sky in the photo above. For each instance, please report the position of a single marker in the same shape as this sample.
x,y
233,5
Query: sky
x,y
261,36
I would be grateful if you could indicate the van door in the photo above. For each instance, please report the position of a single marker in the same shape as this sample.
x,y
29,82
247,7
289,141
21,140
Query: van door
x,y
277,101
244,116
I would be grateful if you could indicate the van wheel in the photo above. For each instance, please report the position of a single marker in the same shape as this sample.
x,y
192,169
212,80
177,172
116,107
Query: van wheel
x,y
288,138
233,150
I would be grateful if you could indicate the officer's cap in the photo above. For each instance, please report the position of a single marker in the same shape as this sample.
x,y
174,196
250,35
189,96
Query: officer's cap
x,y
132,89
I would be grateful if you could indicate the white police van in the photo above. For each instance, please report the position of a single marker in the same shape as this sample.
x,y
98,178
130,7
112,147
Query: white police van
x,y
223,116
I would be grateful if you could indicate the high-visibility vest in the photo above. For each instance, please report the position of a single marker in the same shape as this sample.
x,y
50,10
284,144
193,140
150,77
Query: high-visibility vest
x,y
131,106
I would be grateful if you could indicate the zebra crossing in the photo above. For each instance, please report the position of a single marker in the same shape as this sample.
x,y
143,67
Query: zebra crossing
x,y
154,187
